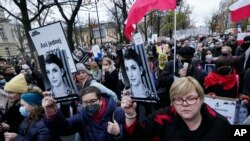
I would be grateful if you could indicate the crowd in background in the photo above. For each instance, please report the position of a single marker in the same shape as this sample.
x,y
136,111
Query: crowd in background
x,y
219,65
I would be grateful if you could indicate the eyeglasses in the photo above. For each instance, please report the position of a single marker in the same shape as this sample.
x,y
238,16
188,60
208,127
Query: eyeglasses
x,y
90,102
189,100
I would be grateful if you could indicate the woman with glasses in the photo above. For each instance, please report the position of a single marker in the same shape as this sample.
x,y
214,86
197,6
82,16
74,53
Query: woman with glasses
x,y
187,119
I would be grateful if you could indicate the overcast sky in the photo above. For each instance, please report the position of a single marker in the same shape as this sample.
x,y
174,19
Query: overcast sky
x,y
202,9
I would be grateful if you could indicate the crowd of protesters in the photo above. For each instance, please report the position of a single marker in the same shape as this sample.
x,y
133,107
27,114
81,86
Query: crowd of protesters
x,y
215,65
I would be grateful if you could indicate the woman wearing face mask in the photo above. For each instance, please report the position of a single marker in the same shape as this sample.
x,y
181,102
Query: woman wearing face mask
x,y
99,118
223,80
14,88
32,127
207,58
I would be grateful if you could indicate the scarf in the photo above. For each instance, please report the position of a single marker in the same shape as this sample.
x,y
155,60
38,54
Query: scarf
x,y
227,82
101,112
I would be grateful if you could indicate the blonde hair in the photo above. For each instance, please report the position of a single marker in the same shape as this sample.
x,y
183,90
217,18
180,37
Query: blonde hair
x,y
183,85
34,88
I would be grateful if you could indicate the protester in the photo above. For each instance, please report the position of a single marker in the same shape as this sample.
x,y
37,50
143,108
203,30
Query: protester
x,y
95,71
167,77
84,78
223,81
8,74
188,117
32,127
98,120
110,77
14,88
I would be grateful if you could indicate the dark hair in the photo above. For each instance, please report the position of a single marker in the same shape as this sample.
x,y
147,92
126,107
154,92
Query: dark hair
x,y
224,61
52,58
131,54
204,53
36,113
90,89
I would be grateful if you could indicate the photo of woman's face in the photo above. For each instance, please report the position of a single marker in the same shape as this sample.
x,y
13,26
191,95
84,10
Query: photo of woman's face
x,y
78,53
133,72
54,74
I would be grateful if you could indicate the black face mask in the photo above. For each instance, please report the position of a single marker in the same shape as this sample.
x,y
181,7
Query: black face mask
x,y
224,54
92,109
224,70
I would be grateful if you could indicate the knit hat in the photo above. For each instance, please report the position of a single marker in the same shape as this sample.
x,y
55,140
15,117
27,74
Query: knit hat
x,y
186,52
32,98
17,84
81,67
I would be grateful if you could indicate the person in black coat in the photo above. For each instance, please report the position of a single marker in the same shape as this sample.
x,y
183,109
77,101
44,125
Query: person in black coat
x,y
110,77
168,75
32,127
187,119
99,118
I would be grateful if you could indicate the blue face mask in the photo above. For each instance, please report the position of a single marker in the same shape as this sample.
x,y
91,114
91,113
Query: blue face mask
x,y
2,82
23,111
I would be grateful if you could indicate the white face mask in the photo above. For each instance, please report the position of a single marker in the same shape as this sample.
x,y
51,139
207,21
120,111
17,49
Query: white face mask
x,y
209,58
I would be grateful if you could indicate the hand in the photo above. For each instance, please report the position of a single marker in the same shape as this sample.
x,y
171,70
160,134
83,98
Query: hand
x,y
5,126
10,136
113,128
49,104
46,93
183,72
213,95
128,105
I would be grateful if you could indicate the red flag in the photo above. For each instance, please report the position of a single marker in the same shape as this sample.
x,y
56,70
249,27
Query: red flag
x,y
240,10
141,7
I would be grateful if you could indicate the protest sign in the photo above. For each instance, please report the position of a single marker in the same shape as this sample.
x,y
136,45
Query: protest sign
x,y
95,49
227,107
209,67
57,76
50,38
137,76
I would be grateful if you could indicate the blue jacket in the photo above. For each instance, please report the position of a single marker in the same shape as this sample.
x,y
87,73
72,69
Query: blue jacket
x,y
88,129
35,131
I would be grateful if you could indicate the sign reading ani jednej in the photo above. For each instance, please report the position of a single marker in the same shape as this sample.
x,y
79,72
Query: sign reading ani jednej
x,y
49,39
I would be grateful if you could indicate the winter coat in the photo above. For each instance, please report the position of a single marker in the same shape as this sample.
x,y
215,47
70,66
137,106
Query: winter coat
x,y
167,76
111,81
167,125
35,131
88,129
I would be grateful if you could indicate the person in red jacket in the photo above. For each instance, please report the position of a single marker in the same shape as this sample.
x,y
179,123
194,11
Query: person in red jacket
x,y
187,119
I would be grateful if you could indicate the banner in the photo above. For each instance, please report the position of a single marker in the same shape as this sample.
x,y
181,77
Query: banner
x,y
227,107
49,39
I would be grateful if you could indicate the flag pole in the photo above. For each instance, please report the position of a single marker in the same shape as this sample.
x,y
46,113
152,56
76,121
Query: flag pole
x,y
174,38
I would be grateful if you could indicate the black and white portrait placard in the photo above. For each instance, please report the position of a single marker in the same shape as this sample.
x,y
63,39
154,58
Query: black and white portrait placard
x,y
57,76
137,74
